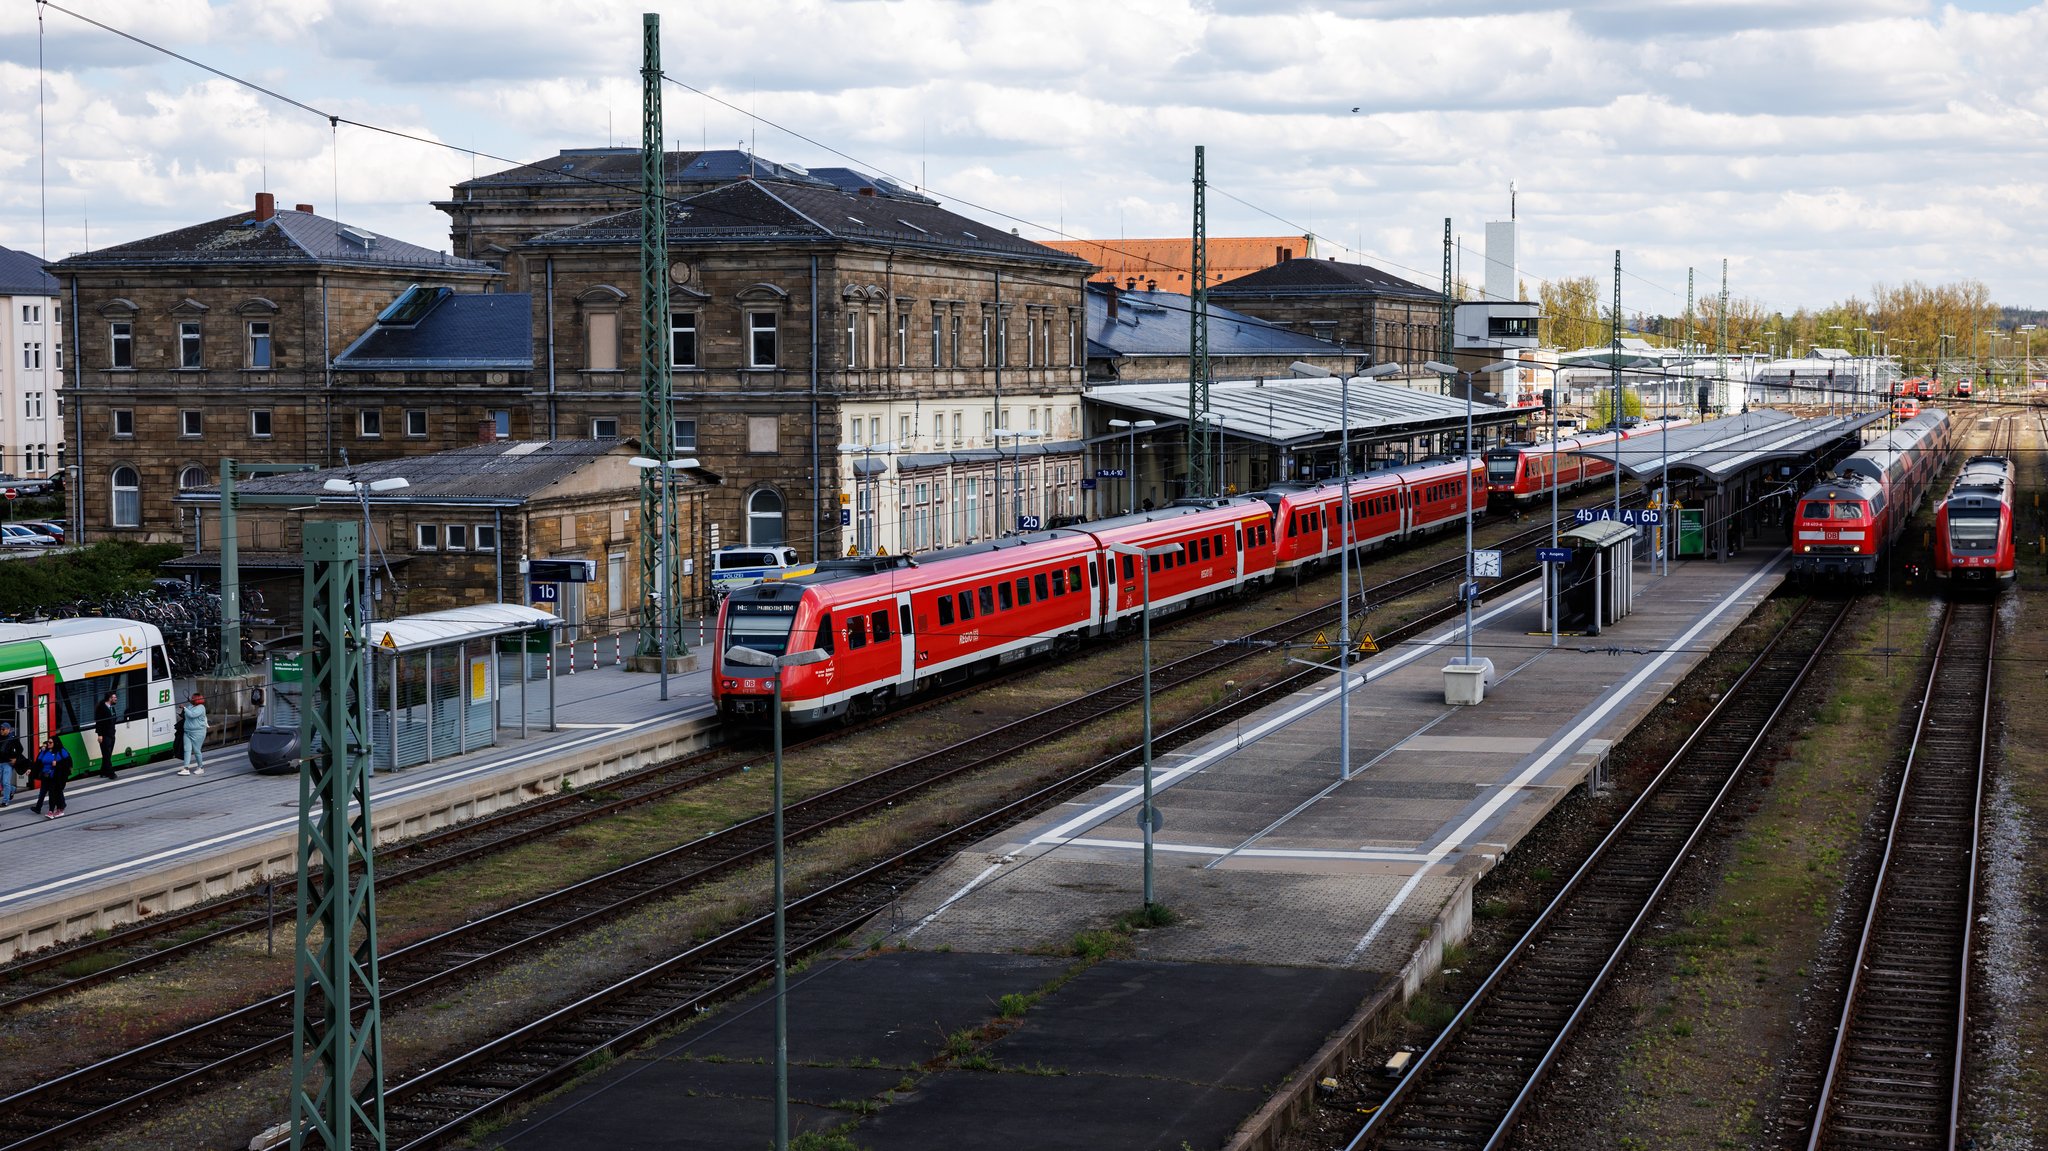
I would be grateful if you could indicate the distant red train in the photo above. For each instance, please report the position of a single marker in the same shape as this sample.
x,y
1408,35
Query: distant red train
x,y
1846,525
895,627
1388,505
1973,528
1521,473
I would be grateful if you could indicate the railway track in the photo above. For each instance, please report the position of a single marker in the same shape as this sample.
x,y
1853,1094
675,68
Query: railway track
x,y
102,1093
1468,1088
1895,1074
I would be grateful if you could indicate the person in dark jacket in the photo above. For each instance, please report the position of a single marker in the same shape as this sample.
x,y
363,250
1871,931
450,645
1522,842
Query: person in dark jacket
x,y
12,759
53,765
103,719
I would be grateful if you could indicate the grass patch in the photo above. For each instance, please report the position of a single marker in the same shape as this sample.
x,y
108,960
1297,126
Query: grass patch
x,y
1430,1013
1014,1005
1149,916
1491,909
837,1140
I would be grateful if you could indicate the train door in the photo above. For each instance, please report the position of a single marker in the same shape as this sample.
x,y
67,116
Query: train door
x,y
14,701
906,642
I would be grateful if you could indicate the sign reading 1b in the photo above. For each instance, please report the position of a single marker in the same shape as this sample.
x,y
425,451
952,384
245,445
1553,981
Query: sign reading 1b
x,y
1645,517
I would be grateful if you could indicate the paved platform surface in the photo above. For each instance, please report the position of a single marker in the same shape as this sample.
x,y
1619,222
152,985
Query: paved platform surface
x,y
1126,1055
1269,858
152,817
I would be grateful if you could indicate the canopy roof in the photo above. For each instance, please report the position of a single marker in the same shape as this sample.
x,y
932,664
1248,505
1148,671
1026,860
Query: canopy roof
x,y
456,625
1726,447
1300,411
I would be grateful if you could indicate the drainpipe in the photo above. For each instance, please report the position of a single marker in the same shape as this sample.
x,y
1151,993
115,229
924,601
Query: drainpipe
x,y
816,529
78,406
551,347
327,390
498,537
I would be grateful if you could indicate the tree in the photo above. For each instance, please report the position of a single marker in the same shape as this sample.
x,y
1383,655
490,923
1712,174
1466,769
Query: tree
x,y
1603,405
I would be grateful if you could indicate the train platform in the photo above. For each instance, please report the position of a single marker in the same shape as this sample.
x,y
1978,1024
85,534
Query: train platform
x,y
152,840
1307,904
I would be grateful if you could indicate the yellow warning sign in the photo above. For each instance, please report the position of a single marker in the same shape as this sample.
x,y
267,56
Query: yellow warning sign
x,y
1366,646
1322,640
387,641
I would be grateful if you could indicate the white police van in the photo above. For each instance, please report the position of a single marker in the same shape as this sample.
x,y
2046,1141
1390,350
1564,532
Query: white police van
x,y
738,567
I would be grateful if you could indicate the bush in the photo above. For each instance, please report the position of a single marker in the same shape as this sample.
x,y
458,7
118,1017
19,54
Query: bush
x,y
47,583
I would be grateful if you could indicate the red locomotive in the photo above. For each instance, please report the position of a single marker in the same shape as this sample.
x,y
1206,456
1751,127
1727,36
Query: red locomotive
x,y
891,628
1388,505
1973,528
1963,388
1846,525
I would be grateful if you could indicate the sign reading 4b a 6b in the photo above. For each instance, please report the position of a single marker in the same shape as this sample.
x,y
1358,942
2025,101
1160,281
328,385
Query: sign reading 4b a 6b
x,y
1645,517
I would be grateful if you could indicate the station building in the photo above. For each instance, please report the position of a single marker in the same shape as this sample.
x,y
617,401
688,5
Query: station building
x,y
31,368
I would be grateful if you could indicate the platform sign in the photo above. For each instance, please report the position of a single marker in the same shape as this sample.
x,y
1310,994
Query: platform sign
x,y
845,517
562,571
1633,517
1087,485
1109,473
1028,523
1554,555
1158,821
543,593
1486,562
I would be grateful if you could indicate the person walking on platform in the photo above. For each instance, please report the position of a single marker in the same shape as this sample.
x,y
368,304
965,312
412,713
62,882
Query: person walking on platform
x,y
103,719
12,759
192,720
53,766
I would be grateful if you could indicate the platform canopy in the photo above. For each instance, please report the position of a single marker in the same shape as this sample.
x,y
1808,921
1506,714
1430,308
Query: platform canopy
x,y
1719,449
1291,411
457,625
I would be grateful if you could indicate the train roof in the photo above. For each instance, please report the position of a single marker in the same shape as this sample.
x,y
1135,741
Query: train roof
x,y
1983,474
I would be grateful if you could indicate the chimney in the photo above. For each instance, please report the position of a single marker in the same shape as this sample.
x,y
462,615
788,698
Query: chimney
x,y
487,431
1113,293
266,206
866,191
306,208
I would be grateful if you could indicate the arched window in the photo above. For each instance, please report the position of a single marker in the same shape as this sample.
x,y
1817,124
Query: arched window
x,y
191,476
127,497
764,518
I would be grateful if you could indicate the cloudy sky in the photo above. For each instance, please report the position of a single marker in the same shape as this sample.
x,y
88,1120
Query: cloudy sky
x,y
1820,146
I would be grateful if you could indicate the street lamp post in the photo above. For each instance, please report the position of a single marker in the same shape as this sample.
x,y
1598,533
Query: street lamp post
x,y
754,657
1146,816
1016,476
1132,471
659,596
362,490
1446,372
1551,571
870,527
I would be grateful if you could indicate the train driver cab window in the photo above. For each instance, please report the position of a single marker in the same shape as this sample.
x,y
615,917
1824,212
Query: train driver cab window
x,y
159,667
825,632
878,625
1074,577
856,632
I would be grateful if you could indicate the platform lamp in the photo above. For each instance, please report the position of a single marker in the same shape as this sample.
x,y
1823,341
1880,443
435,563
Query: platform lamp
x,y
1555,579
362,490
1134,425
1465,593
869,530
1016,475
1146,817
755,657
660,595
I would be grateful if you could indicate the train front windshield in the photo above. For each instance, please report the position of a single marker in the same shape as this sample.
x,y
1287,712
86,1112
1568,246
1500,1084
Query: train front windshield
x,y
1973,529
761,626
1824,510
1500,469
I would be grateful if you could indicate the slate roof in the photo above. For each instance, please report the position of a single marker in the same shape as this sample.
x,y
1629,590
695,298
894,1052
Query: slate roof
x,y
1156,324
460,330
286,239
853,180
621,167
22,275
1321,277
759,211
505,472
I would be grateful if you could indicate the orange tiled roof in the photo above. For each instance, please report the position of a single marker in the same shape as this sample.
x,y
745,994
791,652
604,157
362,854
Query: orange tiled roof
x,y
1166,262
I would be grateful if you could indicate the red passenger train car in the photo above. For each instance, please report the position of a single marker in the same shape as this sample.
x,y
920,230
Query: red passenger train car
x,y
891,628
1973,527
1522,473
1846,525
1388,505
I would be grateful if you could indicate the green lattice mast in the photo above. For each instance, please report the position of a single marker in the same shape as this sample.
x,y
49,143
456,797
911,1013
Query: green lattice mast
x,y
1201,482
657,422
336,973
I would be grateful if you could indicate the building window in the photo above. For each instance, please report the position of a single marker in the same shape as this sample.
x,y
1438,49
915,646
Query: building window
x,y
457,537
259,343
935,336
958,438
190,353
259,423
604,428
416,423
602,330
370,423
902,339
987,348
761,434
685,437
852,339
124,422
32,356
954,358
121,345
903,433
501,422
853,432
764,518
31,313
682,339
191,476
426,537
127,485
486,537
761,339
190,423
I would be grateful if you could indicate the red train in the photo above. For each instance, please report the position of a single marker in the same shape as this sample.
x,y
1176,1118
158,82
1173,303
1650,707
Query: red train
x,y
1973,528
1521,473
1389,505
1846,525
892,628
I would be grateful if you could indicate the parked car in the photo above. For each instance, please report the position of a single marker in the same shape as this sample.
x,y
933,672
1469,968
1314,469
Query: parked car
x,y
738,567
39,486
17,536
47,527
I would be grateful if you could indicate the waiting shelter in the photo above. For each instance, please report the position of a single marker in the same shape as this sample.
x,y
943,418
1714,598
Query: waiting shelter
x,y
1596,586
440,678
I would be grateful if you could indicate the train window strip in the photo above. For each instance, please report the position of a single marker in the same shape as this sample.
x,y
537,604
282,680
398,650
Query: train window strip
x,y
1038,583
825,632
856,632
987,596
945,611
1059,581
879,624
1003,598
1130,567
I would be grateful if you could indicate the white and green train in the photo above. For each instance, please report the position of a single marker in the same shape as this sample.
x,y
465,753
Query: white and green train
x,y
53,674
